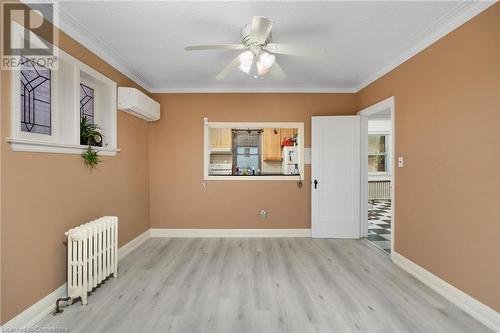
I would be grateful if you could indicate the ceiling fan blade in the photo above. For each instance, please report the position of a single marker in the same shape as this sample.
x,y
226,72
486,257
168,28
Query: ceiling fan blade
x,y
297,50
215,47
261,27
277,72
229,68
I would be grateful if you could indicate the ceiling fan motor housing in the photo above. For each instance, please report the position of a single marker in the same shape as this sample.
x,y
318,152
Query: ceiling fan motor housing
x,y
255,45
259,51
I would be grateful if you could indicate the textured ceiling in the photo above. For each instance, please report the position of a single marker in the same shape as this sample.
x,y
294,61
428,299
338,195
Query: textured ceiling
x,y
361,38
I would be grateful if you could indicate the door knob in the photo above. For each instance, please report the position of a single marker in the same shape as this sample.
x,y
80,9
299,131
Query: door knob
x,y
315,183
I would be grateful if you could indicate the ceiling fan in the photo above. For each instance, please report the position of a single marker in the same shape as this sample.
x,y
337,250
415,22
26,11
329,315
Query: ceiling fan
x,y
258,57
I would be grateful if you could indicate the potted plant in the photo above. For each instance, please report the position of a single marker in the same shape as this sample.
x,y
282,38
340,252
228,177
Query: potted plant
x,y
90,158
91,137
89,133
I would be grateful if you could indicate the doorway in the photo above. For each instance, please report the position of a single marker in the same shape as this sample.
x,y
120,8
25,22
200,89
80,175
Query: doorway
x,y
377,174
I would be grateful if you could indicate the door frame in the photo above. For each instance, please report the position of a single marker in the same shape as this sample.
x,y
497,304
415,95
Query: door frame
x,y
385,104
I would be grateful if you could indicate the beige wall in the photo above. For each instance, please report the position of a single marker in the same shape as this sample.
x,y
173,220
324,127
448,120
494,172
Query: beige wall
x,y
43,195
447,129
177,198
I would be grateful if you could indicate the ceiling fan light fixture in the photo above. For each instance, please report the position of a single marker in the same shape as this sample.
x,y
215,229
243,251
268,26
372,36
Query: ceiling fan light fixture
x,y
246,60
261,70
265,62
256,39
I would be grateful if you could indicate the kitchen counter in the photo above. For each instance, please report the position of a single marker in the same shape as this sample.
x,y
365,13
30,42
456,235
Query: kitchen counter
x,y
268,174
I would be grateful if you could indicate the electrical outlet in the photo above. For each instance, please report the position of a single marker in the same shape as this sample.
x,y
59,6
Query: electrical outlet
x,y
263,214
401,162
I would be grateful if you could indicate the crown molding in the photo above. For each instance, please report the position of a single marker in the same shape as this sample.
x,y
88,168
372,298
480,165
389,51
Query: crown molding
x,y
231,88
463,12
78,32
456,17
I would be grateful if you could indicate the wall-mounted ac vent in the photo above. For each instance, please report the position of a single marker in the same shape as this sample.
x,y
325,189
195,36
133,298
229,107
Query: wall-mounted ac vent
x,y
137,103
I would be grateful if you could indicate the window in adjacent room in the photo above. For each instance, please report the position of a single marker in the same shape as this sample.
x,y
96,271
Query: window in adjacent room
x,y
35,98
377,153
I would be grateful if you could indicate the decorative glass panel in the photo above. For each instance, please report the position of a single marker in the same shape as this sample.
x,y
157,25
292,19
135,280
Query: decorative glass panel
x,y
376,143
35,98
87,103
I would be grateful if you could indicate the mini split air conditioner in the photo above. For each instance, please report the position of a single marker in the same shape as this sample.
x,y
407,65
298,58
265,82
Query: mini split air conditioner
x,y
137,103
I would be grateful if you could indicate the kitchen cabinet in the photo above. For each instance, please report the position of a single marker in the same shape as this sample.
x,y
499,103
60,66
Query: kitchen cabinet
x,y
272,144
273,137
287,133
220,138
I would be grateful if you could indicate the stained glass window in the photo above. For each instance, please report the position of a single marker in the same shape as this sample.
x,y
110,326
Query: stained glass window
x,y
87,103
35,98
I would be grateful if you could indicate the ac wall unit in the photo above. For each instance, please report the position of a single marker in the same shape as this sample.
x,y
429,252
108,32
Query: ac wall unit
x,y
137,103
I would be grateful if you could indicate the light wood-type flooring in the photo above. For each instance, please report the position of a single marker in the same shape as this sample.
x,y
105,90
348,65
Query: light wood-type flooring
x,y
262,285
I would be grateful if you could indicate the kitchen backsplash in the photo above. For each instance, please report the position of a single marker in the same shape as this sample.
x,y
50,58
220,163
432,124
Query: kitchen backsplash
x,y
271,167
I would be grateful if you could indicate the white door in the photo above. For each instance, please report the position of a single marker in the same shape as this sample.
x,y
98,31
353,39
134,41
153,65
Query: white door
x,y
335,159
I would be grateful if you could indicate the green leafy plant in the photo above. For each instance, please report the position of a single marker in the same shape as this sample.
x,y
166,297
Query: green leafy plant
x,y
90,157
89,133
91,137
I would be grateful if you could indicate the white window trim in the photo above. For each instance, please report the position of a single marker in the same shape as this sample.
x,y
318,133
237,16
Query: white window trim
x,y
16,110
33,142
97,96
54,147
380,176
252,125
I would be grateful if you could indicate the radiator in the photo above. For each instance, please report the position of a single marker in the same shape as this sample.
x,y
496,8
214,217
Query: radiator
x,y
379,190
92,255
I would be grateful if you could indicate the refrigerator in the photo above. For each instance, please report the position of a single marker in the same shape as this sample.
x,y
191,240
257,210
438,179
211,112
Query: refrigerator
x,y
290,160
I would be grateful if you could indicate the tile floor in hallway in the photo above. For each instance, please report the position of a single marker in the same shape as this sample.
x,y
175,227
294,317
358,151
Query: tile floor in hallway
x,y
379,224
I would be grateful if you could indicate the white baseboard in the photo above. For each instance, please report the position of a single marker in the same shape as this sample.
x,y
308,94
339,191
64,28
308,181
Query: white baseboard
x,y
133,244
470,305
230,233
32,315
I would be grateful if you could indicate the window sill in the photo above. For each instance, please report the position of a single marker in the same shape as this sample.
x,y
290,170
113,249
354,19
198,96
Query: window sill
x,y
383,176
52,147
284,178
